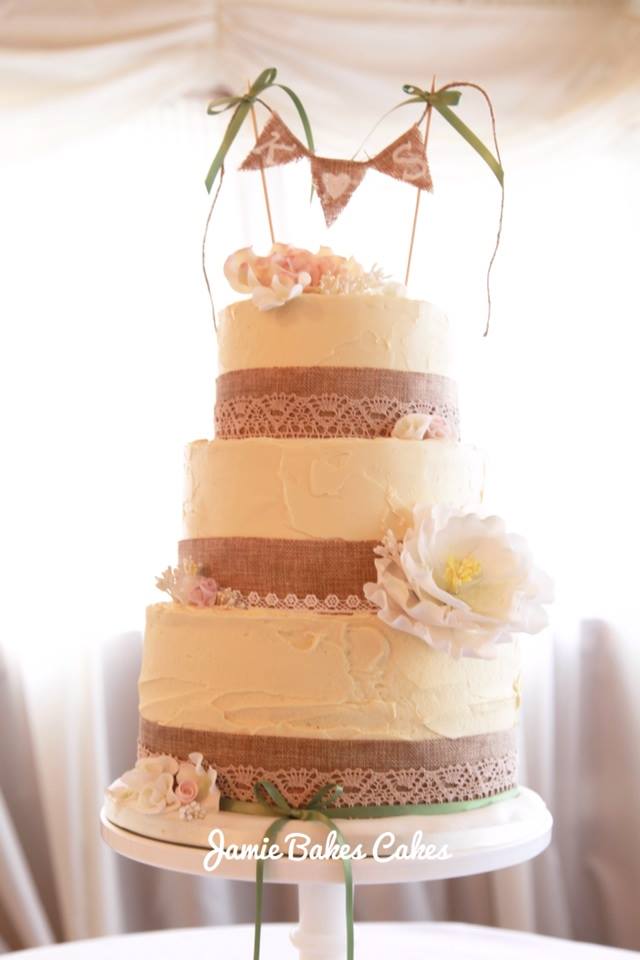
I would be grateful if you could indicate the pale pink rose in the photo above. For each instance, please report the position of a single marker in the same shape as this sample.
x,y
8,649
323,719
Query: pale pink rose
x,y
313,264
282,275
203,592
287,266
277,265
301,261
439,429
186,792
326,261
194,772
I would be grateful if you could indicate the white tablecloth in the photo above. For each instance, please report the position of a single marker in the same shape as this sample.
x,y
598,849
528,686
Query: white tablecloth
x,y
410,941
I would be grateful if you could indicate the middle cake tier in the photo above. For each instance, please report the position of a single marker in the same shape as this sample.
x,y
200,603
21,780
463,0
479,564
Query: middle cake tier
x,y
344,488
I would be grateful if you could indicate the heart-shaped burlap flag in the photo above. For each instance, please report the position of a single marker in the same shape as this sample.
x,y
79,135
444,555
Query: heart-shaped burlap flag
x,y
335,182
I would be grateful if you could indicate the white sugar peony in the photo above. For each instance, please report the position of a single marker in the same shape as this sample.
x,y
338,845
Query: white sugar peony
x,y
460,582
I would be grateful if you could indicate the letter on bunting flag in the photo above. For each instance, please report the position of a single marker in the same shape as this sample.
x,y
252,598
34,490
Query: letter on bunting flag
x,y
336,180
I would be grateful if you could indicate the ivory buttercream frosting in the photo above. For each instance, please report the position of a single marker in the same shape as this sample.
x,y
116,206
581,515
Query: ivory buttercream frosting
x,y
352,489
303,674
337,331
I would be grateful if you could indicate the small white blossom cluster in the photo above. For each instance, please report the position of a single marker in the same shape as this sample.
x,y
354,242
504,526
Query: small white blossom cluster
x,y
187,584
228,597
192,811
351,278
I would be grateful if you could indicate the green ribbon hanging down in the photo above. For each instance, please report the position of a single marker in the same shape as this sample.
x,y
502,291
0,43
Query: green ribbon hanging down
x,y
315,810
241,105
442,100
270,801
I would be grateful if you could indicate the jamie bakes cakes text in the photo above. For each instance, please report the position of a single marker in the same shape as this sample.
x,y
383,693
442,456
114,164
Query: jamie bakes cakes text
x,y
299,846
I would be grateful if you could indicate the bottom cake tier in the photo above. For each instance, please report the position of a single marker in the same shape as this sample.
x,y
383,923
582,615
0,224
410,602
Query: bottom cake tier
x,y
302,700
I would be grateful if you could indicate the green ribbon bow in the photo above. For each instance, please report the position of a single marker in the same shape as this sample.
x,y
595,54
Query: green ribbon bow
x,y
315,810
269,801
442,100
241,105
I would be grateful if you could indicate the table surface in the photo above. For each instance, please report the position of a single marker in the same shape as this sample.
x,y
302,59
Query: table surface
x,y
411,941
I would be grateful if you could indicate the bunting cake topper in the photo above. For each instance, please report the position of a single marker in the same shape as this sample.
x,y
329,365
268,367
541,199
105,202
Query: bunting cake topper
x,y
335,180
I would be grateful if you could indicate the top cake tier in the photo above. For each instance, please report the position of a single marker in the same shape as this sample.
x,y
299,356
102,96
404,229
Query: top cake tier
x,y
324,367
380,332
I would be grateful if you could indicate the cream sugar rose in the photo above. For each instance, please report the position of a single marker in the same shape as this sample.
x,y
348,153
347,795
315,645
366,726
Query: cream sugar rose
x,y
299,846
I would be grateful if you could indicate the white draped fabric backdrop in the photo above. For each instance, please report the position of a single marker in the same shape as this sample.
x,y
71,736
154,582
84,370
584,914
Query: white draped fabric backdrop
x,y
108,366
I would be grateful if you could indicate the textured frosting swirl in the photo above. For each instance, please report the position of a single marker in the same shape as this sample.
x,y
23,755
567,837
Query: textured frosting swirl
x,y
317,330
351,489
305,674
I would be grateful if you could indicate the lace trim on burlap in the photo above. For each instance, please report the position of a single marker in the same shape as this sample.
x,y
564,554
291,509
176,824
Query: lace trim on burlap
x,y
323,416
484,777
279,574
271,601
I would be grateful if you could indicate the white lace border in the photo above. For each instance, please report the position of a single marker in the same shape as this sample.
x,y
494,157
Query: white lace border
x,y
470,768
327,402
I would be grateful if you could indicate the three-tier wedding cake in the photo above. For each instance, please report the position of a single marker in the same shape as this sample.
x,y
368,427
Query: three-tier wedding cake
x,y
341,612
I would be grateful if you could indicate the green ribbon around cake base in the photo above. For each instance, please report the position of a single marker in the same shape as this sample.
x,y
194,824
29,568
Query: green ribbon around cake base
x,y
270,801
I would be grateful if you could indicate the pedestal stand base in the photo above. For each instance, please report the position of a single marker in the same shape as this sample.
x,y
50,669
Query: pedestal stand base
x,y
477,841
315,938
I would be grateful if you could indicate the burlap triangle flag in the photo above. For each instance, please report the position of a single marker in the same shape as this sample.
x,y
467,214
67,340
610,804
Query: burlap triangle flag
x,y
335,182
275,146
406,160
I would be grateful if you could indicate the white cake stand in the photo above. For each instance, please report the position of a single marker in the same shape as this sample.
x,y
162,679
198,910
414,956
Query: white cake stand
x,y
478,841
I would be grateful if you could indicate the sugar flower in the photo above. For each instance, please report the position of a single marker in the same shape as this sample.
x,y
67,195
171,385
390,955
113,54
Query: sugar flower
x,y
148,787
287,271
186,584
460,582
203,780
160,784
272,280
187,791
423,426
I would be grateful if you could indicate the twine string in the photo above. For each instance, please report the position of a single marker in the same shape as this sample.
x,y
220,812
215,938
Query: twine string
x,y
494,134
416,211
204,247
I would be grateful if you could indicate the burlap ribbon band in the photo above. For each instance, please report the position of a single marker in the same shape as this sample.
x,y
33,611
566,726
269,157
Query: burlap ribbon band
x,y
439,770
324,402
267,567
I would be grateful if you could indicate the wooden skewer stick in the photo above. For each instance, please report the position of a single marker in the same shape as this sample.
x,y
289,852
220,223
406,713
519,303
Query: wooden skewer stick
x,y
419,192
263,176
